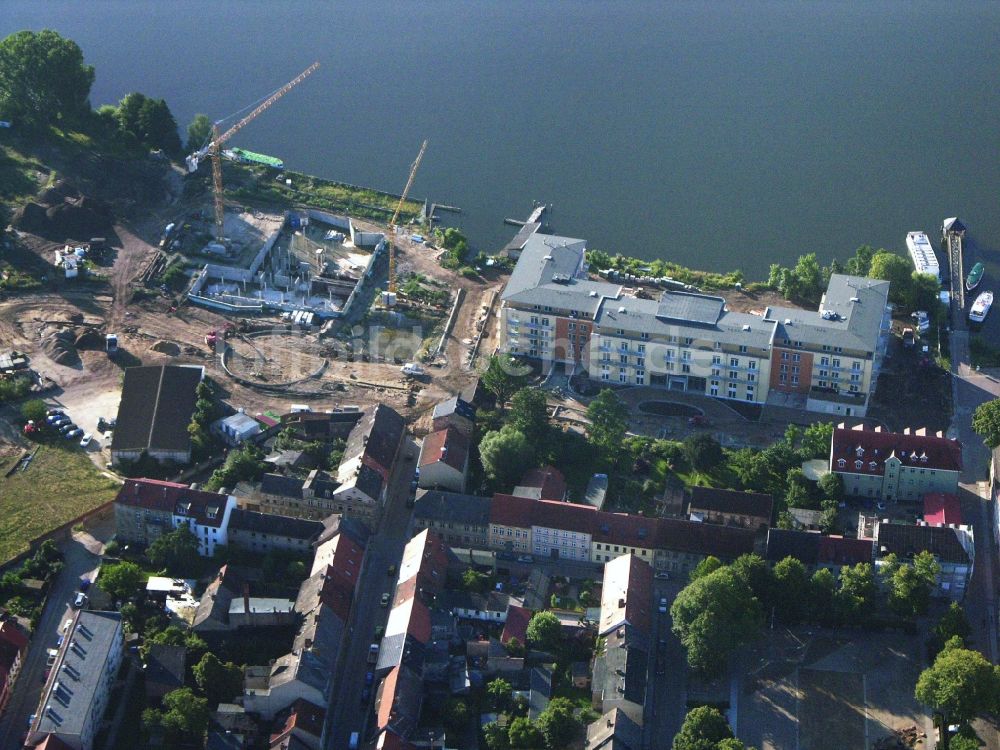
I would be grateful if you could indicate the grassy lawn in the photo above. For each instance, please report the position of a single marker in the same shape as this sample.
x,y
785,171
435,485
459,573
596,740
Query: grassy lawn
x,y
60,484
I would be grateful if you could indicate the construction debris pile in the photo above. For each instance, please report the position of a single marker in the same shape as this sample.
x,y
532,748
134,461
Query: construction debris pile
x,y
900,739
63,212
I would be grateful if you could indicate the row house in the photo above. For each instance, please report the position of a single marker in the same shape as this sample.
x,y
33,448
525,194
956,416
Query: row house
x,y
13,645
823,360
444,460
952,546
748,510
266,532
815,550
895,466
147,508
460,520
541,527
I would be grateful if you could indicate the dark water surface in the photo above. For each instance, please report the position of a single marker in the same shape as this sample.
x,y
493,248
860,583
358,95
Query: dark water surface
x,y
722,134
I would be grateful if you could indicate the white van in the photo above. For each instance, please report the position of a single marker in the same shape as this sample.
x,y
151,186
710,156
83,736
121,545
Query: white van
x,y
412,369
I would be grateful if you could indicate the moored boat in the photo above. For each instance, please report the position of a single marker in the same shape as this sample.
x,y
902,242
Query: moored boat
x,y
981,307
974,277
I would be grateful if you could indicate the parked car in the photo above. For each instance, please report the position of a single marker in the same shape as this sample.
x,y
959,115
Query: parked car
x,y
84,584
391,571
80,600
908,338
663,606
66,427
412,369
85,440
385,599
50,656
54,413
525,559
74,434
373,653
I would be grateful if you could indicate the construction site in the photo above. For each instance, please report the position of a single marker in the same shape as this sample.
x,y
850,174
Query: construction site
x,y
282,303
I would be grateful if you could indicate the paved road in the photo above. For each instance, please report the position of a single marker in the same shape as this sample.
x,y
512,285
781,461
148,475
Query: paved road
x,y
79,563
666,694
347,713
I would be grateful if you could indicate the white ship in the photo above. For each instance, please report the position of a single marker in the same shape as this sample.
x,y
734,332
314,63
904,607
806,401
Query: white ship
x,y
922,254
981,307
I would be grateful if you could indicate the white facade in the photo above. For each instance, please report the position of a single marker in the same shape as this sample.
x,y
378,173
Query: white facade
x,y
560,543
209,535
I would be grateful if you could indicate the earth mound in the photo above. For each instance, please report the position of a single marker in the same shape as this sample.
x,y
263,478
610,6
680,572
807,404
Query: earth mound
x,y
60,346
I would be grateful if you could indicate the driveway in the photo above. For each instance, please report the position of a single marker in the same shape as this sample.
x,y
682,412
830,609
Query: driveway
x,y
81,561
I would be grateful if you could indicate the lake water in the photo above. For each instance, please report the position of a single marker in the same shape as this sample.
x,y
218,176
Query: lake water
x,y
716,134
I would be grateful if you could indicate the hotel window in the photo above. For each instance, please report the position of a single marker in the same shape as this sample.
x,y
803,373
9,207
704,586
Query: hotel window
x,y
824,373
686,355
718,345
640,377
713,391
824,361
640,361
822,384
796,357
854,389
685,368
688,341
642,348
644,336
623,346
751,377
784,368
795,379
855,376
784,356
620,332
623,359
733,362
732,391
743,349
841,463
858,464
838,349
606,356
855,365
716,359
669,366
752,364
836,362
795,369
572,326
621,375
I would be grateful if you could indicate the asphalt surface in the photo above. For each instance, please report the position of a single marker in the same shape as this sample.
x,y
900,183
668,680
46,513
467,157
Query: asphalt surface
x,y
79,563
348,713
666,693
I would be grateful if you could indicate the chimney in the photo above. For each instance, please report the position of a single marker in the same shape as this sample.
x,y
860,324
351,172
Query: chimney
x,y
621,604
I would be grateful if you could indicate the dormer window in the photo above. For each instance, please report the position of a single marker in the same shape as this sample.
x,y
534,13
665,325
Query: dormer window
x,y
841,463
923,458
872,465
858,464
860,451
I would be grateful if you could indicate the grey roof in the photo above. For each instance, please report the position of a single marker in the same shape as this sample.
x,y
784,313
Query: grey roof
x,y
66,701
377,436
802,545
156,407
451,599
685,307
304,666
731,501
620,674
369,481
852,325
642,315
165,665
549,272
260,604
907,540
522,236
279,484
320,634
435,505
616,730
401,650
272,525
213,607
455,405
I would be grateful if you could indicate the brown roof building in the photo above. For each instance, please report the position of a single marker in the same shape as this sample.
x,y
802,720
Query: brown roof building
x,y
748,510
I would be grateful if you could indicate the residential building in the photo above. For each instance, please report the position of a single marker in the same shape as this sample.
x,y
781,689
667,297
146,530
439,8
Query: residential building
x,y
625,630
516,624
467,605
13,645
748,510
398,702
541,527
212,614
460,520
76,693
542,483
265,532
304,722
815,550
156,408
313,425
455,412
825,360
237,428
260,611
952,546
444,460
617,729
147,508
895,466
163,670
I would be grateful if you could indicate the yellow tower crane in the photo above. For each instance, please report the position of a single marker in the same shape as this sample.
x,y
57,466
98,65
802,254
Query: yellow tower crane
x,y
390,295
214,147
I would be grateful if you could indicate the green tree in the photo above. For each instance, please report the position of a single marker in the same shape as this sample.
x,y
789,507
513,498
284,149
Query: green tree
x,y
809,276
860,264
558,724
986,422
503,378
714,615
952,624
755,573
608,417
219,682
456,715
791,590
924,292
500,692
798,496
496,737
149,121
43,80
857,591
702,451
474,581
185,714
524,734
505,455
174,550
514,647
816,439
172,635
704,728
709,565
529,414
732,743
959,686
544,631
34,410
822,593
832,486
242,464
199,133
122,580
896,270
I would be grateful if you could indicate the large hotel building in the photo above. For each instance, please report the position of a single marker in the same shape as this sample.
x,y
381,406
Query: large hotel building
x,y
825,360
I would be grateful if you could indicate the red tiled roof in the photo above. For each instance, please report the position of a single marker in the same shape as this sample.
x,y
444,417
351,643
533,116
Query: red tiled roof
x,y
419,626
725,542
516,625
425,557
839,550
871,447
942,508
448,446
10,634
548,479
629,581
387,693
753,504
154,494
305,716
52,742
509,510
389,740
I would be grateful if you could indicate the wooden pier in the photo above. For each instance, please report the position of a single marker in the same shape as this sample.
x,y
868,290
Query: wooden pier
x,y
953,243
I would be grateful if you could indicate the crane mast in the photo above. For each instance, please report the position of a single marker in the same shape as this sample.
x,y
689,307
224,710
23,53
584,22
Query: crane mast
x,y
390,296
214,148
